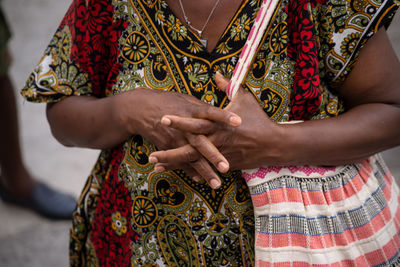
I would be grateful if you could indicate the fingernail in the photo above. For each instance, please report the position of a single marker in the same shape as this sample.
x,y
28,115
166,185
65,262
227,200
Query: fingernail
x,y
196,178
166,121
159,169
153,159
235,120
223,167
215,184
218,73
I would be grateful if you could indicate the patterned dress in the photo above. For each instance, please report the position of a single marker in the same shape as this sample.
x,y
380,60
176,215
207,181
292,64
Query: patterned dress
x,y
128,214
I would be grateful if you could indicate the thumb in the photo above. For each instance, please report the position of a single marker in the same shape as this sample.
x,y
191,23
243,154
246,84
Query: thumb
x,y
223,84
221,81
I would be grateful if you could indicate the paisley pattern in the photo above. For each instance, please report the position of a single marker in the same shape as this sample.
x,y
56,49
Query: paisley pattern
x,y
177,243
127,213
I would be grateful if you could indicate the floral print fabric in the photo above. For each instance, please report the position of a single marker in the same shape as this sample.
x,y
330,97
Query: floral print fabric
x,y
130,215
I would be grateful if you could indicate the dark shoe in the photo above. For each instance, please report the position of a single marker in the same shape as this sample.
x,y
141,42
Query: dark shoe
x,y
44,201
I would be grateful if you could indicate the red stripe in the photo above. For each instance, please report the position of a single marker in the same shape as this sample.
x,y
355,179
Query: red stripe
x,y
375,257
360,261
354,186
260,12
328,240
228,90
296,195
390,249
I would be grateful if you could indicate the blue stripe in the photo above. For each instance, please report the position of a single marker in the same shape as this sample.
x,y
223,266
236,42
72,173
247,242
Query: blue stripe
x,y
323,219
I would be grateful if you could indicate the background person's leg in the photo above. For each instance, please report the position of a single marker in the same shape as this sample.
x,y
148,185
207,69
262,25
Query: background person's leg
x,y
14,176
17,186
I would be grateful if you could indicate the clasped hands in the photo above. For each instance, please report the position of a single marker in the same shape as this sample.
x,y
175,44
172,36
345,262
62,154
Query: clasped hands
x,y
237,137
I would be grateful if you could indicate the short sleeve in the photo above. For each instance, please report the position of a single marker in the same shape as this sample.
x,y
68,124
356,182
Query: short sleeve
x,y
345,27
72,64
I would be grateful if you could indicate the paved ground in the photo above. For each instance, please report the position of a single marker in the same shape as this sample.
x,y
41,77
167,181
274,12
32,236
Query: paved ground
x,y
26,239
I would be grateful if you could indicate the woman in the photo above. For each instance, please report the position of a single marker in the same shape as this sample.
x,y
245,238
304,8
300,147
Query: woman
x,y
106,55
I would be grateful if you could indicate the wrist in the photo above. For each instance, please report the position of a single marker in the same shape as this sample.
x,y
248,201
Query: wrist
x,y
279,145
287,145
125,109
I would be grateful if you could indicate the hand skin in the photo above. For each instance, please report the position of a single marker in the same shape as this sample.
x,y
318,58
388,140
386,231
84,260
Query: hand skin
x,y
86,121
371,124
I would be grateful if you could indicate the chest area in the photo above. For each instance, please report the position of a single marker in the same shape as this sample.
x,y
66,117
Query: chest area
x,y
159,51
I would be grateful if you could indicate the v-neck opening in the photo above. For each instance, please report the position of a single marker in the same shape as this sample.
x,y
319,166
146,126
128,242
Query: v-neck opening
x,y
221,37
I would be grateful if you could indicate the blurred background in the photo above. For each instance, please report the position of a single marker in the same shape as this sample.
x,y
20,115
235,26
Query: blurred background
x,y
25,238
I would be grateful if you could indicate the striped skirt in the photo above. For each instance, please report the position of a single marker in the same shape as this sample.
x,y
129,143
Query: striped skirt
x,y
339,216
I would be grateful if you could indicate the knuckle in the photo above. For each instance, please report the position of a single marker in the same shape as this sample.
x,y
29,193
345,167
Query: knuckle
x,y
214,158
211,111
202,111
163,145
207,126
167,157
196,140
199,166
191,155
197,110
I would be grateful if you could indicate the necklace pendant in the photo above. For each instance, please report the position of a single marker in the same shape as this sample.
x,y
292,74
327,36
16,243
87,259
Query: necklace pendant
x,y
199,32
203,41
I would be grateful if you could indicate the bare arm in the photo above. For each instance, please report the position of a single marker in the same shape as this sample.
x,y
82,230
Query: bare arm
x,y
85,121
372,122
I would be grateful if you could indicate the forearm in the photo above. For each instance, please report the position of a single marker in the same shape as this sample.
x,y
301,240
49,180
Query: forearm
x,y
85,121
362,131
372,123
